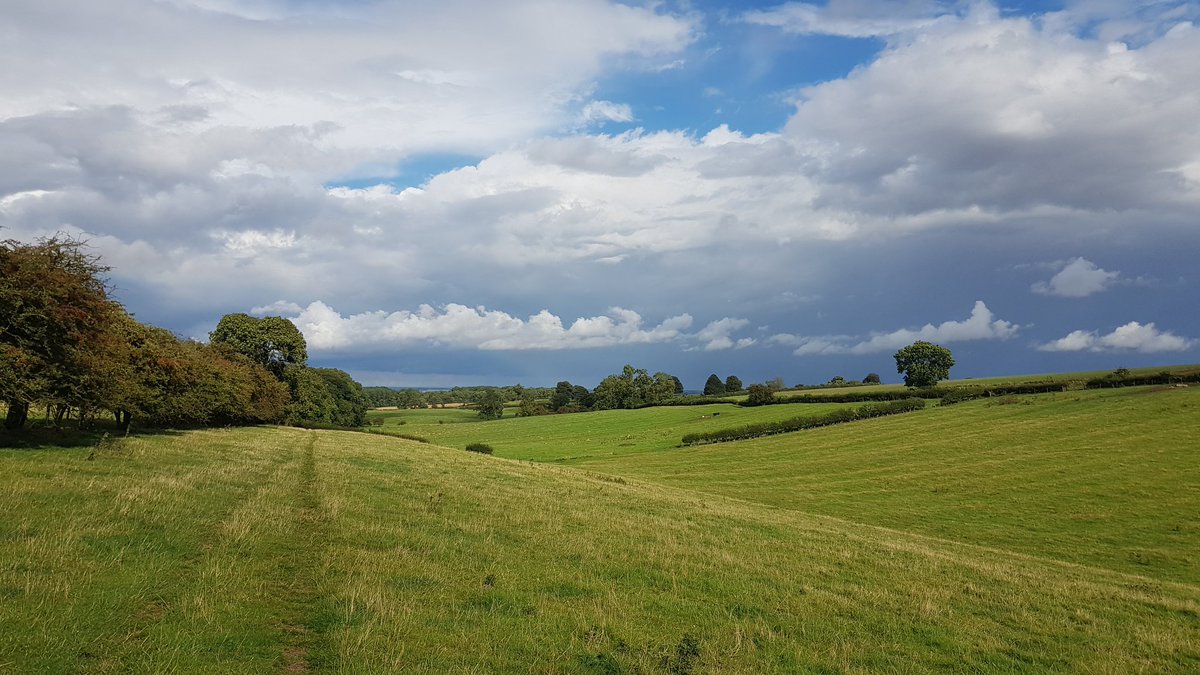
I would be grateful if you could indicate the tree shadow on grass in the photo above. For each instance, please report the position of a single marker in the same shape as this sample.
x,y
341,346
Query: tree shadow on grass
x,y
38,437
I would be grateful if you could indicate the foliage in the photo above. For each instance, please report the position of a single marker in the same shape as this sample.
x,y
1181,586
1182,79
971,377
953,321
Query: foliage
x,y
837,381
924,364
567,398
481,448
54,308
871,378
634,388
713,385
491,405
529,406
273,341
760,394
382,397
733,384
799,423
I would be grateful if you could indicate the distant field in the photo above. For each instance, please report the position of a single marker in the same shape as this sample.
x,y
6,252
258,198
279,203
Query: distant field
x,y
1100,477
272,549
984,381
569,438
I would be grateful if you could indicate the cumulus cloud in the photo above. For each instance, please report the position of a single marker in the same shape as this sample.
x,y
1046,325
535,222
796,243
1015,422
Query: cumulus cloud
x,y
462,327
981,325
1132,336
1078,278
716,335
217,178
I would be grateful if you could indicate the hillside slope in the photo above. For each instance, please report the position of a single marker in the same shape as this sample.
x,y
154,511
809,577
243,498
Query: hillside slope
x,y
279,549
1109,478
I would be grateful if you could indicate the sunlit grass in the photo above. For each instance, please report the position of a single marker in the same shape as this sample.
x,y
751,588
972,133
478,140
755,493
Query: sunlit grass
x,y
1054,532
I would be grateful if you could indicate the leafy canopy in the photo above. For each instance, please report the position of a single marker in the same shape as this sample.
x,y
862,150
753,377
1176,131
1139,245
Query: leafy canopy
x,y
924,363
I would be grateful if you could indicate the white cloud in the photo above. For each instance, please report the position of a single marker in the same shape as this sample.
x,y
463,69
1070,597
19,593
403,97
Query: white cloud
x,y
463,327
279,307
605,111
1077,279
716,335
981,325
1132,336
849,18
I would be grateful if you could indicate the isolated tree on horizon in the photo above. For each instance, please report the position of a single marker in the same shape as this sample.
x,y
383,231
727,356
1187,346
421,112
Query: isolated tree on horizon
x,y
713,386
733,383
871,378
924,364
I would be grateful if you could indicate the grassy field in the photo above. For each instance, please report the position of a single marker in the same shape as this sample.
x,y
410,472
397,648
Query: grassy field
x,y
569,438
271,549
1054,532
987,381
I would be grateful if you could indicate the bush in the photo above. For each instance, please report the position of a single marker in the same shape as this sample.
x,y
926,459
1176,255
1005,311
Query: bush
x,y
760,394
481,448
958,396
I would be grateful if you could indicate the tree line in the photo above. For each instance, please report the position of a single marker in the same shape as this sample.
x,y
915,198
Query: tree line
x,y
67,349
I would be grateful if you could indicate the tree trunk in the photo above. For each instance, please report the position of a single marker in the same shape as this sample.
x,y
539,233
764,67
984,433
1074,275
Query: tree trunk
x,y
18,412
123,419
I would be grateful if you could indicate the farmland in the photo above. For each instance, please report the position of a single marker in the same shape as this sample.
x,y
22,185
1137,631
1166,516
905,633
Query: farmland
x,y
1049,532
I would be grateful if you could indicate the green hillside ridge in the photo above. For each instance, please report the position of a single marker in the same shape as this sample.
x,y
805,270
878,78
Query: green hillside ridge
x,y
1048,532
1099,477
253,550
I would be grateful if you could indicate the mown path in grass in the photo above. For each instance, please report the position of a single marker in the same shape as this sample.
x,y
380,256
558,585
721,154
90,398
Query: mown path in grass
x,y
160,550
1105,478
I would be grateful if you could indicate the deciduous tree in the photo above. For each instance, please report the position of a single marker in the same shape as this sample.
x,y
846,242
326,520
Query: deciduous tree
x,y
713,386
924,364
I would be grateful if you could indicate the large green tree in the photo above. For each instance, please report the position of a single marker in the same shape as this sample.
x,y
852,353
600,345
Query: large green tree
x,y
634,388
924,364
733,383
713,386
491,405
271,341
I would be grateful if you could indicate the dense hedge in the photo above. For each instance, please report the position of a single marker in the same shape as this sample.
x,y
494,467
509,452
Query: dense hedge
x,y
697,400
953,394
799,423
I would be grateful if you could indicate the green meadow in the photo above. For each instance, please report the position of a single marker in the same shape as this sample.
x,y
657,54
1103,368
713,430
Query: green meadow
x,y
1054,532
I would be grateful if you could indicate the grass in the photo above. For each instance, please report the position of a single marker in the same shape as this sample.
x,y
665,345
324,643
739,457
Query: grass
x,y
570,438
989,381
1036,533
287,550
1101,477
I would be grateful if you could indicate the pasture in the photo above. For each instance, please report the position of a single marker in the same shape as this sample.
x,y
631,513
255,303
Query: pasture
x,y
1051,532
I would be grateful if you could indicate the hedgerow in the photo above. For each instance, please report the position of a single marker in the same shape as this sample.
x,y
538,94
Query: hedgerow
x,y
800,423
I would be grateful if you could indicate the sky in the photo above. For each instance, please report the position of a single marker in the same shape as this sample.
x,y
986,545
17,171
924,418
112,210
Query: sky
x,y
460,192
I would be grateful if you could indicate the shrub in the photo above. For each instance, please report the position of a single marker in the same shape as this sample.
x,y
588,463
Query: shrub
x,y
481,448
958,396
760,394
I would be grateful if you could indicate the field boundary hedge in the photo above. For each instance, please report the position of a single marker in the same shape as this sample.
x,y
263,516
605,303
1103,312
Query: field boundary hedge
x,y
963,393
799,423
